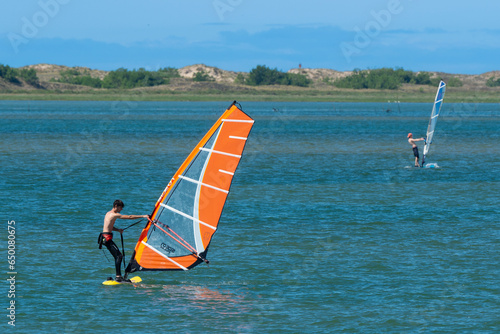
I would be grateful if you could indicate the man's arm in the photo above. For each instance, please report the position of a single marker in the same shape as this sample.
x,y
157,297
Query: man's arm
x,y
132,216
117,229
120,216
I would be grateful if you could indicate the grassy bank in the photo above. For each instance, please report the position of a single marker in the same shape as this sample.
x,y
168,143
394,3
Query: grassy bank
x,y
276,94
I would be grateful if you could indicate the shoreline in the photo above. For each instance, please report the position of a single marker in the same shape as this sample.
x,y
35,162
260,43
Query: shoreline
x,y
453,95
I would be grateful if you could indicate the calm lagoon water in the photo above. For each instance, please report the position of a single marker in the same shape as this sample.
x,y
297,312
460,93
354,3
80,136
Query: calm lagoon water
x,y
327,227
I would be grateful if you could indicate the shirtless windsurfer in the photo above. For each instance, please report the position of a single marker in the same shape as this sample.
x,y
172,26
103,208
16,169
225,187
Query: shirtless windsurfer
x,y
106,236
415,148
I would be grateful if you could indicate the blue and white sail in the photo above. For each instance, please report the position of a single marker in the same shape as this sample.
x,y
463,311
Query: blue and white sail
x,y
438,102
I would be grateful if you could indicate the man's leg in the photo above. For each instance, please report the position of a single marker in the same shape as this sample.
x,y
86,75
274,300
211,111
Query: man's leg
x,y
113,249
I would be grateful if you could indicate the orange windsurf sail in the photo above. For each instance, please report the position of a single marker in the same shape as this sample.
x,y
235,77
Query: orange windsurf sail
x,y
187,213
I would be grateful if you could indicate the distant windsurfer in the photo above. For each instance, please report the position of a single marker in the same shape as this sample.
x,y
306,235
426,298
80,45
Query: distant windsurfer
x,y
106,237
415,147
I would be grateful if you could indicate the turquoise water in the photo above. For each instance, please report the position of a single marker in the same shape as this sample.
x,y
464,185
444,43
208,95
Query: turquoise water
x,y
327,227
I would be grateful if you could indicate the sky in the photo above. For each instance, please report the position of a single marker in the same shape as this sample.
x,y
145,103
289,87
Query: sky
x,y
449,36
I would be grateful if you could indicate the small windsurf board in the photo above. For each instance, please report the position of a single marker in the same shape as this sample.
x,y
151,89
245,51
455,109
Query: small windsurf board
x,y
135,279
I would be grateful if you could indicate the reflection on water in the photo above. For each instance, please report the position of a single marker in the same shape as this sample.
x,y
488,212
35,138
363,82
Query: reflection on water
x,y
192,293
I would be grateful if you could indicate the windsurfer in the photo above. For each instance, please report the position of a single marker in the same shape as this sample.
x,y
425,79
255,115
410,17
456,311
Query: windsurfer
x,y
412,141
106,236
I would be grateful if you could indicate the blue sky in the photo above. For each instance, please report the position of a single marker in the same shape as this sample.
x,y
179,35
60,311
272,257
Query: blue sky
x,y
448,36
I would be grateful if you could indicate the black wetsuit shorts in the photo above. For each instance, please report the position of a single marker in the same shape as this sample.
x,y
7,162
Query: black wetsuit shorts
x,y
415,151
106,239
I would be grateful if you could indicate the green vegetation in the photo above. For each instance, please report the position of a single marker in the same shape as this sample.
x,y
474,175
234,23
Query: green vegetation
x,y
202,76
454,82
384,78
388,78
263,75
12,75
169,72
29,76
240,79
261,84
423,78
121,78
8,73
74,77
492,82
258,93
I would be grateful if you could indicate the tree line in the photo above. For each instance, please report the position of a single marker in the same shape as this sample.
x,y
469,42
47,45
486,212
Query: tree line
x,y
13,75
123,78
388,78
263,75
120,78
492,82
383,78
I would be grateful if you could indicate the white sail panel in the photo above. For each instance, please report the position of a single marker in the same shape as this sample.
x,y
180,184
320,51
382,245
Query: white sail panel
x,y
438,102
